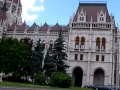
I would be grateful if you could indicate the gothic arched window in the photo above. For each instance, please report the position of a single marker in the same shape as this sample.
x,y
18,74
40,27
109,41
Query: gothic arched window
x,y
82,46
83,41
81,16
77,43
98,44
103,43
101,17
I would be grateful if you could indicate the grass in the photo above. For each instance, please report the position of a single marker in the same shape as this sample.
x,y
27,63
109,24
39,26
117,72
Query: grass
x,y
28,85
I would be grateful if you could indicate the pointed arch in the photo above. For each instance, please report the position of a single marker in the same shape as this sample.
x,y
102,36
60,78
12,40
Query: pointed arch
x,y
103,43
82,40
97,44
77,76
101,16
77,40
82,16
99,77
82,46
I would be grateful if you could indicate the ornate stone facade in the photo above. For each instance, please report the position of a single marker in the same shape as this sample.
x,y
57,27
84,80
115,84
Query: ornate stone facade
x,y
90,37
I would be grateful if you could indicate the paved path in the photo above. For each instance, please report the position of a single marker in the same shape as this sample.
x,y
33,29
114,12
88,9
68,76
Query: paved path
x,y
13,88
16,88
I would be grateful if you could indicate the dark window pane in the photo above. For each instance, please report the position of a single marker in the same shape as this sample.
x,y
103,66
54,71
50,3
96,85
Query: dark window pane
x,y
81,56
97,57
76,56
103,57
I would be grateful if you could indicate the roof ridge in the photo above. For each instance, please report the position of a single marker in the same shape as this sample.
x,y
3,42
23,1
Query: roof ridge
x,y
92,2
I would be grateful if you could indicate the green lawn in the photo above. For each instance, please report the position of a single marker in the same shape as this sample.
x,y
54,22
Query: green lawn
x,y
27,85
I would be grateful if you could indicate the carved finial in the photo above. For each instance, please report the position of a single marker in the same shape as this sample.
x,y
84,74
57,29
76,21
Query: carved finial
x,y
57,20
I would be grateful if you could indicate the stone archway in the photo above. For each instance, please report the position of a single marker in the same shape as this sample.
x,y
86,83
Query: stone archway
x,y
99,76
77,77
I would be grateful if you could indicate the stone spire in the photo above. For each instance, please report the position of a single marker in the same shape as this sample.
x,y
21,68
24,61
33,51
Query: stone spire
x,y
4,7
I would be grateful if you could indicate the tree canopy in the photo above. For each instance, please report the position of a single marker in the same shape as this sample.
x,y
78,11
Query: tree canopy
x,y
14,57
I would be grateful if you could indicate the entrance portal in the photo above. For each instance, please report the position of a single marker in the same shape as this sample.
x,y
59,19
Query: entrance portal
x,y
99,77
77,77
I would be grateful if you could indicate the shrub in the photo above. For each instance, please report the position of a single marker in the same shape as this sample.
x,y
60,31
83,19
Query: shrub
x,y
15,79
59,79
39,78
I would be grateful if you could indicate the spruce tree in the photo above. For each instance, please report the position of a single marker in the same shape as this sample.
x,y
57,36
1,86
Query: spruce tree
x,y
37,57
59,54
49,63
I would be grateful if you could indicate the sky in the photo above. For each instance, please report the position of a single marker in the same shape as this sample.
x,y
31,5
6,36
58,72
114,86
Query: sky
x,y
53,11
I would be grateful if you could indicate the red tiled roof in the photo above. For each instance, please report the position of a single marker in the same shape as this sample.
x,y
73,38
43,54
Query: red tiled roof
x,y
91,10
57,27
44,27
33,27
12,27
22,27
65,29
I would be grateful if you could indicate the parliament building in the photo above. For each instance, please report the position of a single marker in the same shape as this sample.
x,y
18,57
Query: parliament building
x,y
91,37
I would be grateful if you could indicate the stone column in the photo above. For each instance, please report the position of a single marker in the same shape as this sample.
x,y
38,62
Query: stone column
x,y
89,55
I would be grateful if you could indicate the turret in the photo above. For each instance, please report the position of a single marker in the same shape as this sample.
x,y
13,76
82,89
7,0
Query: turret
x,y
14,11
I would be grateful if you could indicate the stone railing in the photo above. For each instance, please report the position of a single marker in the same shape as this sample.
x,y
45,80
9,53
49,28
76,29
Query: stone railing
x,y
93,25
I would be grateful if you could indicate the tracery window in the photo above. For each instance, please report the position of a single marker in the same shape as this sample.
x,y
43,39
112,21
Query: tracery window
x,y
81,17
101,17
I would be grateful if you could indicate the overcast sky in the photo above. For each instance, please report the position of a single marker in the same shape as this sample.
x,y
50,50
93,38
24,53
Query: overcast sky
x,y
53,11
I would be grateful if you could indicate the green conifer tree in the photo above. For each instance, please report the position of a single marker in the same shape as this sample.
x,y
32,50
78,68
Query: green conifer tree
x,y
59,54
49,63
37,57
